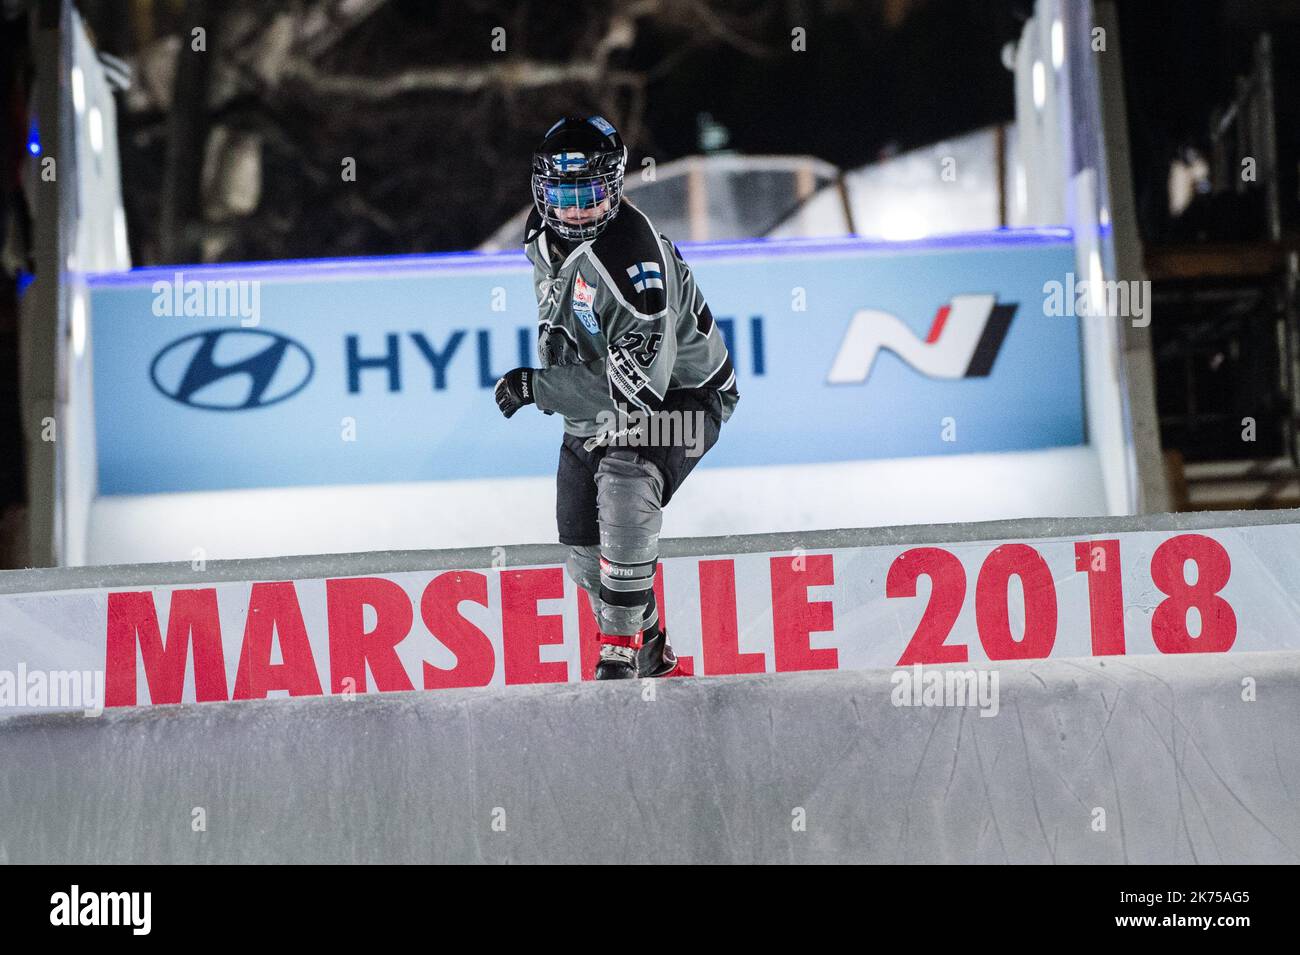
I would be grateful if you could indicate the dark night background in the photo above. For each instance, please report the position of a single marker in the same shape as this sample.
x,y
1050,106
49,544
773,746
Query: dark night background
x,y
439,169
442,165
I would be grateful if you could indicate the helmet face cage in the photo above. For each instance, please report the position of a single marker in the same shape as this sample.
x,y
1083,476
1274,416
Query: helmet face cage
x,y
581,168
553,195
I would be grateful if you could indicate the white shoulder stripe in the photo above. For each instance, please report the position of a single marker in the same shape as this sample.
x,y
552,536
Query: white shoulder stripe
x,y
705,379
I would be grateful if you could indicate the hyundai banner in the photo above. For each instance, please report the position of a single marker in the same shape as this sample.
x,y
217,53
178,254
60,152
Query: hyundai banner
x,y
365,371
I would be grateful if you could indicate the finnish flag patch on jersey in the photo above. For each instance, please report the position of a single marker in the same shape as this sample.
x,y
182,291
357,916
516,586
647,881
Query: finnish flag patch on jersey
x,y
584,300
645,275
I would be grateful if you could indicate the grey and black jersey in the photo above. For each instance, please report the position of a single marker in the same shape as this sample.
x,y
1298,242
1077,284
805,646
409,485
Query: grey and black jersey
x,y
620,323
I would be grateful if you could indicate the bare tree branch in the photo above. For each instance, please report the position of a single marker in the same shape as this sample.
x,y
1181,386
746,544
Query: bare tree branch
x,y
329,22
522,74
720,30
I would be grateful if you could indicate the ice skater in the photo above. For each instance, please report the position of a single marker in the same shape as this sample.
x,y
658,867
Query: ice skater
x,y
629,354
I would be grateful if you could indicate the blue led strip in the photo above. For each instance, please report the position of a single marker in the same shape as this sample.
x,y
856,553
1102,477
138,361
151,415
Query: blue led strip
x,y
468,262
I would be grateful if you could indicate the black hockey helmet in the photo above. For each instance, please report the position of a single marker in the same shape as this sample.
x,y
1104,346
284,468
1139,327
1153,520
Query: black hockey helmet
x,y
578,176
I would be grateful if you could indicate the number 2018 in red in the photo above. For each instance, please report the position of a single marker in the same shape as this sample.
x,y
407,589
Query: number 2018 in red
x,y
1100,560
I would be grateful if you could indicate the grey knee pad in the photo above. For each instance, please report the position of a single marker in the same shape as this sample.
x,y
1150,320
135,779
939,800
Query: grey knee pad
x,y
629,490
583,566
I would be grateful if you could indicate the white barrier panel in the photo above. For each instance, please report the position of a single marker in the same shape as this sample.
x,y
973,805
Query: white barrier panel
x,y
1144,760
839,608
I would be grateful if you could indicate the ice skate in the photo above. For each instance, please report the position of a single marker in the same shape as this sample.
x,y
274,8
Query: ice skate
x,y
618,657
656,657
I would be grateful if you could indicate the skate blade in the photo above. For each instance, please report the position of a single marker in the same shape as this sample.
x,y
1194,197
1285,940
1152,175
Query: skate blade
x,y
676,671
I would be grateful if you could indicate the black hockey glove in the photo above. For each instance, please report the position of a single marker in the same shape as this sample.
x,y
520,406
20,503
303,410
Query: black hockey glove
x,y
514,390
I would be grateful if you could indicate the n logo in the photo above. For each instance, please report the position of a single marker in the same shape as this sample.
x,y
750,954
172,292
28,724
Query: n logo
x,y
963,342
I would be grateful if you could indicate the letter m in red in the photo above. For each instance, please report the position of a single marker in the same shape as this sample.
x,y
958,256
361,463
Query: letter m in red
x,y
133,622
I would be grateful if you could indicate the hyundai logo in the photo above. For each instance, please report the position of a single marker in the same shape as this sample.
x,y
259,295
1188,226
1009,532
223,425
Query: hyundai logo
x,y
231,369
